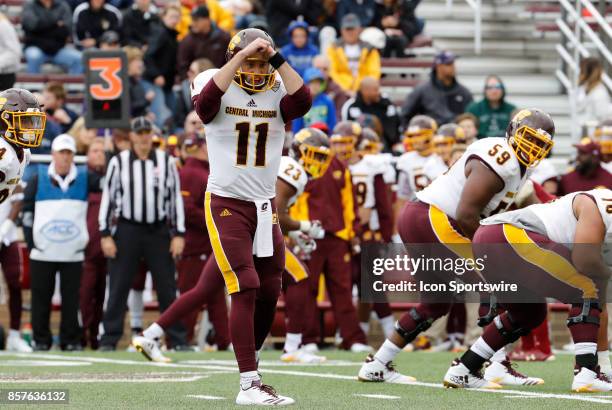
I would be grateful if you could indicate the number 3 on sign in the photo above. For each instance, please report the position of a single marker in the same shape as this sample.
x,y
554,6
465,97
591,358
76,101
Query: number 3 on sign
x,y
109,68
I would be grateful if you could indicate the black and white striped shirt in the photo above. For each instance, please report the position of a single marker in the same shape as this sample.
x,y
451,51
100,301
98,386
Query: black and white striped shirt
x,y
140,191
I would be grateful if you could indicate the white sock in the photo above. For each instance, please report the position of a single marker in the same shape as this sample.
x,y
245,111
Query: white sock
x,y
387,352
585,348
14,334
482,349
247,379
365,326
136,305
499,356
154,331
292,342
603,360
388,325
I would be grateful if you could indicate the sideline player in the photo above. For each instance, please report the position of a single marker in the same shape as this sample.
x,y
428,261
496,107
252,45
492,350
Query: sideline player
x,y
245,107
483,182
309,157
556,250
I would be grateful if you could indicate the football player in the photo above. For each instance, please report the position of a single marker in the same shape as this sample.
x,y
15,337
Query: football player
x,y
447,136
603,135
482,182
309,157
245,105
555,250
372,175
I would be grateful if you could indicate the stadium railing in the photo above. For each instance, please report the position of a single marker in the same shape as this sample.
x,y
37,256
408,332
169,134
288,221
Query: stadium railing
x,y
476,5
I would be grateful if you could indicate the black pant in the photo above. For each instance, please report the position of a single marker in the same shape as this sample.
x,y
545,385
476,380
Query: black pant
x,y
43,285
135,242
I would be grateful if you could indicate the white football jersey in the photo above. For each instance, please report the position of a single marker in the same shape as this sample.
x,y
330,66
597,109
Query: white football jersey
x,y
244,140
11,168
293,173
411,177
607,166
434,167
496,153
544,171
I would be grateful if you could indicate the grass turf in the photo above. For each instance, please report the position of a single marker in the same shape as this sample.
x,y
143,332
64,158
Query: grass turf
x,y
130,382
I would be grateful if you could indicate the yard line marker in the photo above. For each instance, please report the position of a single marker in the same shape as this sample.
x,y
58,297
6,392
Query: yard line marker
x,y
205,397
378,396
113,380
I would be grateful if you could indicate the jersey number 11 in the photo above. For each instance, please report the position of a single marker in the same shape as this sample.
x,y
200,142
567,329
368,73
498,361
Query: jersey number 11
x,y
244,130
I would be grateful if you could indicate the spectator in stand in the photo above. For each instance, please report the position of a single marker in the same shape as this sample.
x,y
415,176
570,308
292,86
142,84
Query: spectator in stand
x,y
54,103
322,109
183,96
93,281
10,53
47,25
193,125
245,11
218,14
194,177
400,25
83,136
493,111
442,97
140,98
137,23
333,90
300,51
364,10
160,65
592,100
351,59
280,13
93,18
56,201
588,173
109,40
469,123
370,101
205,40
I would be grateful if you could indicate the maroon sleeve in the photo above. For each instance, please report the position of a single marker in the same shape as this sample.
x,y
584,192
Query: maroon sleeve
x,y
295,105
208,102
192,190
383,207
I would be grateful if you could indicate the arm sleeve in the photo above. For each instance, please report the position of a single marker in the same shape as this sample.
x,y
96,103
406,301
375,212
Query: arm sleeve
x,y
295,105
383,207
208,102
176,209
109,192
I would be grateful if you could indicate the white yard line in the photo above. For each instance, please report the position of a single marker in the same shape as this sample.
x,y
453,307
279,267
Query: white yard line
x,y
204,397
378,396
518,393
108,380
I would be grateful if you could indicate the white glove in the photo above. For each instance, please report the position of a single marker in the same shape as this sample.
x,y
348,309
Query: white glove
x,y
5,229
314,229
305,243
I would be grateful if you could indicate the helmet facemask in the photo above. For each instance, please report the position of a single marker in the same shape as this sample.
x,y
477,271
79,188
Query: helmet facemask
x,y
255,82
531,146
443,145
315,160
24,128
343,146
419,140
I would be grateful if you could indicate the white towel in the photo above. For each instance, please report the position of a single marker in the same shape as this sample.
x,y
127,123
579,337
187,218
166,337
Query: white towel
x,y
263,245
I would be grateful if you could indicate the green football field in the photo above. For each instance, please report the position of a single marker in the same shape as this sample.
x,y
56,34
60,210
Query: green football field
x,y
209,380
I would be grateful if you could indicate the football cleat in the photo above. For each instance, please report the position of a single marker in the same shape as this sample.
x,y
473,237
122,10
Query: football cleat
x,y
459,377
262,395
503,373
149,349
361,348
588,381
14,343
375,371
302,356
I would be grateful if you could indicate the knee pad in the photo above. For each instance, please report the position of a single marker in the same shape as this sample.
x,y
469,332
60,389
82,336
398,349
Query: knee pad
x,y
510,332
422,324
487,312
585,312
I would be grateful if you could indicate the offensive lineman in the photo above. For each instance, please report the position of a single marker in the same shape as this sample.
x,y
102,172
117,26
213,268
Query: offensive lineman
x,y
483,182
557,249
245,107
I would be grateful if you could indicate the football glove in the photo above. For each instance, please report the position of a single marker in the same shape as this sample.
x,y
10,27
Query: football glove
x,y
304,242
314,229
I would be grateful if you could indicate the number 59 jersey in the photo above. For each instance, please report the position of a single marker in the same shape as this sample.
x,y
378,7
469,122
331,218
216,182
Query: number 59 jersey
x,y
244,140
445,191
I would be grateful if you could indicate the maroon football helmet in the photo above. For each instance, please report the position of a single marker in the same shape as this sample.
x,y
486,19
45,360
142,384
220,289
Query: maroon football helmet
x,y
22,122
251,81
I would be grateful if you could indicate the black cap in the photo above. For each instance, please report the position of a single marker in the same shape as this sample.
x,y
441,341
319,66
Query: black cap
x,y
445,57
200,12
109,37
350,21
141,124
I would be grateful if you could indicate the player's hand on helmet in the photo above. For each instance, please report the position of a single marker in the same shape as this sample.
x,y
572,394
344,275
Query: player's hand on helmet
x,y
259,45
314,229
108,247
305,244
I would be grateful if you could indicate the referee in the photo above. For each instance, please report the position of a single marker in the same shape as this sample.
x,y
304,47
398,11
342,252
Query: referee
x,y
142,199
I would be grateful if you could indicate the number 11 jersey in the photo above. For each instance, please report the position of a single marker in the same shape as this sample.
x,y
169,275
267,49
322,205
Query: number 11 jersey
x,y
445,191
244,140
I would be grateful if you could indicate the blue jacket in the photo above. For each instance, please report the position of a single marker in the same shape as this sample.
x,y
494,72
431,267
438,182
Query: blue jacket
x,y
299,58
322,110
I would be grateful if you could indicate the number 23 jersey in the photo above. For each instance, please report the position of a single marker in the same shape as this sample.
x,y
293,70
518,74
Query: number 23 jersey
x,y
445,191
244,140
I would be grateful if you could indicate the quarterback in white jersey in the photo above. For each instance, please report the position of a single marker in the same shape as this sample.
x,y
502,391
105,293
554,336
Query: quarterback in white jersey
x,y
309,158
553,250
